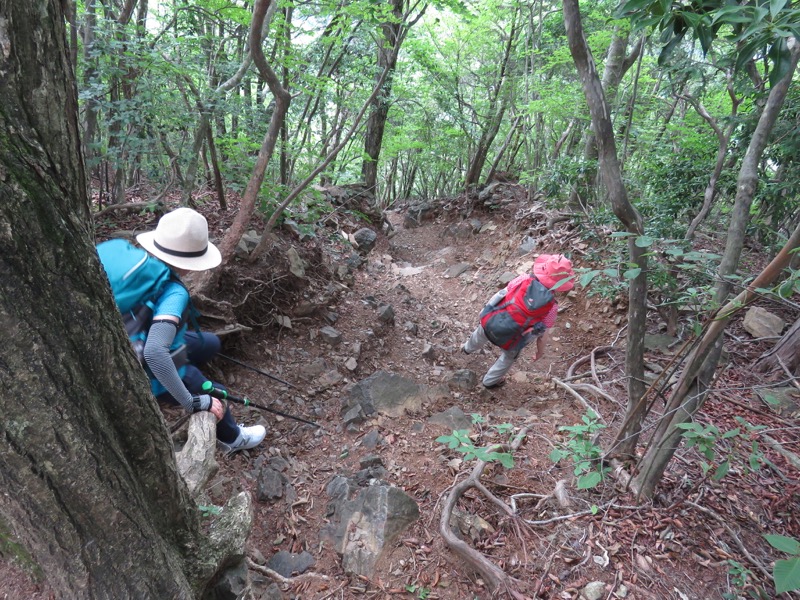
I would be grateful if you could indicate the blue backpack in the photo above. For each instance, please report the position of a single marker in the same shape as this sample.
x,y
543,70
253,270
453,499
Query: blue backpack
x,y
137,280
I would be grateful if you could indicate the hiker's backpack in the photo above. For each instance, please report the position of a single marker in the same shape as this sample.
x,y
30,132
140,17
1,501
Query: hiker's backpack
x,y
522,310
137,280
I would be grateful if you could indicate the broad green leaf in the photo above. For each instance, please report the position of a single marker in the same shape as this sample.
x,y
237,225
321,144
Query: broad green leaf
x,y
643,241
556,455
506,460
730,434
783,543
586,278
776,6
780,55
771,399
787,575
722,470
589,480
632,273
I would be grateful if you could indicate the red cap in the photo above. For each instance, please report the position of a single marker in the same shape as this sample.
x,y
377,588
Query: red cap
x,y
551,269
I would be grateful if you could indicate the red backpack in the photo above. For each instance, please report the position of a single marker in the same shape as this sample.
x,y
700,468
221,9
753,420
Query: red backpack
x,y
523,309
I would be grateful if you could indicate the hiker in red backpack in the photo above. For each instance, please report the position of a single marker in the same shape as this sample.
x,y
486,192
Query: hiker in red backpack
x,y
521,312
180,240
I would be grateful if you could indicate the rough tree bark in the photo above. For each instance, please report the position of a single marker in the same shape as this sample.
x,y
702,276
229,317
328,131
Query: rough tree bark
x,y
786,353
692,388
282,100
68,454
631,219
92,491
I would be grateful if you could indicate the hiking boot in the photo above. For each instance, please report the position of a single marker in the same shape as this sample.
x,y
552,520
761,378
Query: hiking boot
x,y
495,385
464,350
249,437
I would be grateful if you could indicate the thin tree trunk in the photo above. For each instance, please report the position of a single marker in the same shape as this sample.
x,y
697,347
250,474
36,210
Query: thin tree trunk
x,y
723,139
626,213
683,403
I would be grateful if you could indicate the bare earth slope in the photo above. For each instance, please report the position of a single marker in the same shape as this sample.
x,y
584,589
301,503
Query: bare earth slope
x,y
556,544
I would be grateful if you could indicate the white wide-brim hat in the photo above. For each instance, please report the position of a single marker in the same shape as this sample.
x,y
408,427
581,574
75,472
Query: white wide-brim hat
x,y
181,240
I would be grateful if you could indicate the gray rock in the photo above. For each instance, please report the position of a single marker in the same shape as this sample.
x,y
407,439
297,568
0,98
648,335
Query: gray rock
x,y
372,439
417,213
428,352
233,584
272,592
365,238
297,265
659,342
457,270
411,327
594,590
288,564
463,379
328,379
386,314
331,335
528,245
313,369
469,526
759,323
373,460
305,308
386,393
270,484
507,277
360,529
354,261
453,419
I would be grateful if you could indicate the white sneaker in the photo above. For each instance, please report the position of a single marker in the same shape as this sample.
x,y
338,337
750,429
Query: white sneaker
x,y
249,437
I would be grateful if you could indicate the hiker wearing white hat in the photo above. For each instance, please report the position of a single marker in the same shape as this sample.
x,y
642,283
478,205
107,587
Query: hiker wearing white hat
x,y
521,312
147,284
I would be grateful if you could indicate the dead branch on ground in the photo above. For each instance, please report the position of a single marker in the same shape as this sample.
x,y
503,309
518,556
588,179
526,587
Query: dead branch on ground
x,y
495,577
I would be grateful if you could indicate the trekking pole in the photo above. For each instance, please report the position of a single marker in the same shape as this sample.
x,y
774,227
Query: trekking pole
x,y
209,389
265,374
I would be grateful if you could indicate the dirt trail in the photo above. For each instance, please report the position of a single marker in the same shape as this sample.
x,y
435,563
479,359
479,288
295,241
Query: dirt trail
x,y
647,552
408,271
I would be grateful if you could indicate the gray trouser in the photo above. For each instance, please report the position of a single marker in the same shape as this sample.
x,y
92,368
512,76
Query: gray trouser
x,y
503,364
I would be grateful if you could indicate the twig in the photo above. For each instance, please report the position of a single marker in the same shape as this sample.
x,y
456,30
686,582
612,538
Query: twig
x,y
277,577
496,579
580,398
736,539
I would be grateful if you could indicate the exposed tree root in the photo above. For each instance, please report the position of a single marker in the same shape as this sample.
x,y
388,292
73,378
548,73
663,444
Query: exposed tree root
x,y
495,578
278,578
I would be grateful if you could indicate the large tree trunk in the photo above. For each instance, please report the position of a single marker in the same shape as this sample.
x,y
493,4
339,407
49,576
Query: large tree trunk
x,y
631,219
93,496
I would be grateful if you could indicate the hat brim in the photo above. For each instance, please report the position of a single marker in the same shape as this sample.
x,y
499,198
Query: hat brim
x,y
550,282
212,258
